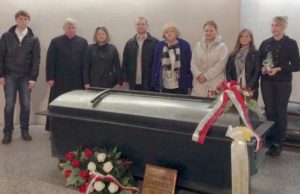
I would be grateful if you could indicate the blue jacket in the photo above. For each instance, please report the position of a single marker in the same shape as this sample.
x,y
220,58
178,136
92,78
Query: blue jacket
x,y
185,80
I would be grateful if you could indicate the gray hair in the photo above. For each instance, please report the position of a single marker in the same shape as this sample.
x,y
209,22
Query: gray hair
x,y
70,21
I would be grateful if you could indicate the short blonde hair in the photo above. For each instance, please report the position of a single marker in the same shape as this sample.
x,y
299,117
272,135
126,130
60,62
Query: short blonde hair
x,y
281,20
70,21
167,26
141,18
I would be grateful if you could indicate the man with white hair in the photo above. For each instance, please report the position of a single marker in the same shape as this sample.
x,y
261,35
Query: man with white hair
x,y
65,61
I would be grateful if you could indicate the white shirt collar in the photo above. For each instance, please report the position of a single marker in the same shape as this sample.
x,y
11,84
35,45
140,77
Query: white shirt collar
x,y
22,34
142,37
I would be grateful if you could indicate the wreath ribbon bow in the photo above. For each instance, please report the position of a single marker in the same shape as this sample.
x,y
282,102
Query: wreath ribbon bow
x,y
95,176
231,92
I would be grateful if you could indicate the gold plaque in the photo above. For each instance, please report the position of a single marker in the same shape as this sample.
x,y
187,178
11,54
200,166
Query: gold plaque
x,y
159,180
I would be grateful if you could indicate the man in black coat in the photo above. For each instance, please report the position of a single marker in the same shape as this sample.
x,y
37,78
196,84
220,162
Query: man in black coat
x,y
64,64
19,68
138,58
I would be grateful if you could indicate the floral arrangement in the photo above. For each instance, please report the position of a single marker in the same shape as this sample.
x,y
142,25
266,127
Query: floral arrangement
x,y
97,171
247,94
227,95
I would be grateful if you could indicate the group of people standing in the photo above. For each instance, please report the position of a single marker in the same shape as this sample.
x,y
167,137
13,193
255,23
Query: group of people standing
x,y
148,64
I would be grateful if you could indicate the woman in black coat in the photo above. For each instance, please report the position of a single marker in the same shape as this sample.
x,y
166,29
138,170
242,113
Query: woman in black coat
x,y
280,55
243,65
101,62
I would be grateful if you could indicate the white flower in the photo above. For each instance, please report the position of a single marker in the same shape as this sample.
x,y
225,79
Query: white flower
x,y
99,186
91,166
107,167
101,157
113,188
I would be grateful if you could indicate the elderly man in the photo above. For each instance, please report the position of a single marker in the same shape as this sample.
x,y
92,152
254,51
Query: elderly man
x,y
19,68
65,62
138,58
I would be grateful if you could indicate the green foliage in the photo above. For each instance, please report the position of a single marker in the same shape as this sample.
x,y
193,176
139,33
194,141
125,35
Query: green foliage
x,y
120,168
252,106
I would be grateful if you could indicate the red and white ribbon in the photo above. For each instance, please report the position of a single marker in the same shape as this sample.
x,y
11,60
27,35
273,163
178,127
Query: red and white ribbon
x,y
231,92
95,176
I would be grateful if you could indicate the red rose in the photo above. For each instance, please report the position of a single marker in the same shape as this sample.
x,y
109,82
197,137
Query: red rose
x,y
76,163
67,173
70,156
84,174
88,153
82,188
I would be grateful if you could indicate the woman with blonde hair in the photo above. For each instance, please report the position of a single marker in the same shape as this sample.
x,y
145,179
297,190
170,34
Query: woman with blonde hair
x,y
208,61
101,62
279,58
171,68
242,65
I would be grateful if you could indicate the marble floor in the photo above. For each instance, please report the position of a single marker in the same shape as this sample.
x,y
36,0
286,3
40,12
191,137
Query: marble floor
x,y
28,168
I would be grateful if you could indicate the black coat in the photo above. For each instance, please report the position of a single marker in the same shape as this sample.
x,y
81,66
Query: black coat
x,y
19,58
130,61
65,64
252,70
101,66
285,53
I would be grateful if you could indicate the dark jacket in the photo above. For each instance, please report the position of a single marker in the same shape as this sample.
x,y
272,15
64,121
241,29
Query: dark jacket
x,y
19,58
64,64
285,54
130,61
252,69
101,66
185,80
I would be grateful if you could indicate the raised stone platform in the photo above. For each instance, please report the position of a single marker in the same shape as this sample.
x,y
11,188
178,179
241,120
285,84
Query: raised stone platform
x,y
37,170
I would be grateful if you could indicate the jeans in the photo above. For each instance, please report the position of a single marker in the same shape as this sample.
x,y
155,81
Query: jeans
x,y
276,96
12,86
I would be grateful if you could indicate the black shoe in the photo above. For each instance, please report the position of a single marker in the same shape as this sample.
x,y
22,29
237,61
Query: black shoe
x,y
26,137
274,150
6,139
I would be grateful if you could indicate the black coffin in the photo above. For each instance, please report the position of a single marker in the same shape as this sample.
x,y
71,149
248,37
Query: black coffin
x,y
150,128
293,128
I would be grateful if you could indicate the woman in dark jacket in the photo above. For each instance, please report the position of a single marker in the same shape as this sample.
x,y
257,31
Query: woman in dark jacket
x,y
101,62
171,65
243,65
280,55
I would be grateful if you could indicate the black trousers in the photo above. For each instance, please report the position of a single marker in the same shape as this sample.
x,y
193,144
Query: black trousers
x,y
276,96
175,91
138,87
141,87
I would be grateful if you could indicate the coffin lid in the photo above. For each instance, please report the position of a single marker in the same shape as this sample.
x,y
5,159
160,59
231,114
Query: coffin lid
x,y
141,104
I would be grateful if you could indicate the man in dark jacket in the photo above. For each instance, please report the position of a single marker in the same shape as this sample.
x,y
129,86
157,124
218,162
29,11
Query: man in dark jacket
x,y
138,58
64,64
19,68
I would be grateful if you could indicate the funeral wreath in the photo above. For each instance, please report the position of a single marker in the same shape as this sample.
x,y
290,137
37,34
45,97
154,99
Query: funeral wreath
x,y
246,93
97,171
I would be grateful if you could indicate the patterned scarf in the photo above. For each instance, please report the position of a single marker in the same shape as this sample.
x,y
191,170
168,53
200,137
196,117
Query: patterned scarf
x,y
240,60
167,65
